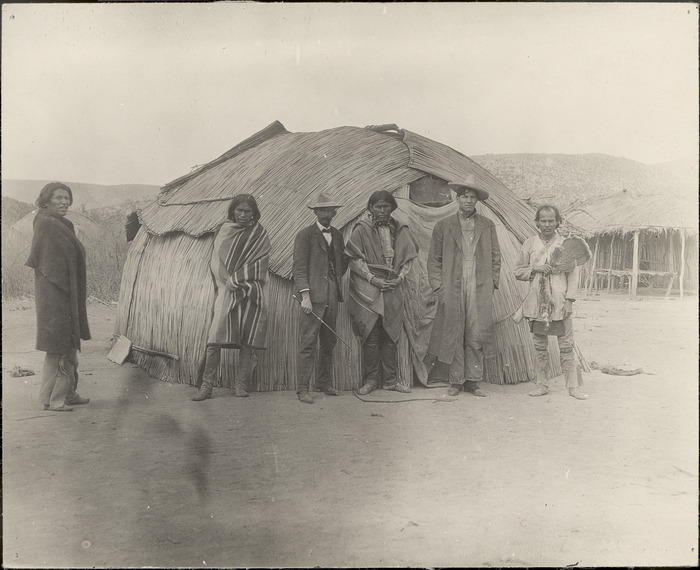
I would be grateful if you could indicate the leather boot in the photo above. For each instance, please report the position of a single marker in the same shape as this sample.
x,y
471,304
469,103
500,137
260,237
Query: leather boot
x,y
204,393
244,373
239,390
74,399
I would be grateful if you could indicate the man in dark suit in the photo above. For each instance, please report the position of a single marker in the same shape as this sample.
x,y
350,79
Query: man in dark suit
x,y
318,266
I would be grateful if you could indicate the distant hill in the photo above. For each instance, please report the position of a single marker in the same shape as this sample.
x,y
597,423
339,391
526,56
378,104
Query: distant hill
x,y
85,196
686,168
566,179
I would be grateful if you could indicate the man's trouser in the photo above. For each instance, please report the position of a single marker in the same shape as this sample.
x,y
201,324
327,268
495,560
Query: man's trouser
x,y
314,338
566,356
378,350
60,378
468,362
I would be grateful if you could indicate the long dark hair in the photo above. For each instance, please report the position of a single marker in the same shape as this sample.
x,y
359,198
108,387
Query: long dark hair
x,y
48,190
239,199
382,195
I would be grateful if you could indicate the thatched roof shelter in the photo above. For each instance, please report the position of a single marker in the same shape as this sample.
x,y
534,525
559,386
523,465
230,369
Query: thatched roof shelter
x,y
641,239
167,293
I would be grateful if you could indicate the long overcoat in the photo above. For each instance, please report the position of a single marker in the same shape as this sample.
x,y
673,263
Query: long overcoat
x,y
58,260
444,266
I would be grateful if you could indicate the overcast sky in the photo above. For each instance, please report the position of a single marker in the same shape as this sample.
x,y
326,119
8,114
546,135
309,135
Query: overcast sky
x,y
139,93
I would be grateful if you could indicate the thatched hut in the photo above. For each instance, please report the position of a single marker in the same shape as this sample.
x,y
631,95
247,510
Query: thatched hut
x,y
640,241
167,291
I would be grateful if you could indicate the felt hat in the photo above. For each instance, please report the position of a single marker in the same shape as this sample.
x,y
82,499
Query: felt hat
x,y
323,200
469,183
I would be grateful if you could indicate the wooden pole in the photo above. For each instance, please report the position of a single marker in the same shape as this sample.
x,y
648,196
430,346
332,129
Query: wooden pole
x,y
610,265
635,265
671,266
591,277
681,274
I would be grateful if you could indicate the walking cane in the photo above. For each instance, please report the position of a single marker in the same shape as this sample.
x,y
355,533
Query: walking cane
x,y
323,322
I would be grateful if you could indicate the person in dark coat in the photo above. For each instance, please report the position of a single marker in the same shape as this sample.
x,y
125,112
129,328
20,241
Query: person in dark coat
x,y
318,266
464,265
58,260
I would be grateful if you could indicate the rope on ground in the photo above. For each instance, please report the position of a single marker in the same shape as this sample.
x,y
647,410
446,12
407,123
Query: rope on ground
x,y
34,417
433,400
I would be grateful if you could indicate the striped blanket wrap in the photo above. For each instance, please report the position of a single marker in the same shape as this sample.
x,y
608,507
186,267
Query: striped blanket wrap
x,y
239,265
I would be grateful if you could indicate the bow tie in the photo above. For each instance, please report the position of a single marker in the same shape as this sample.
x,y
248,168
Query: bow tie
x,y
326,230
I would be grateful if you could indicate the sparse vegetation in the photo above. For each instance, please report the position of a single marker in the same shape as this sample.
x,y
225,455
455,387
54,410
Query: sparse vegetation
x,y
106,252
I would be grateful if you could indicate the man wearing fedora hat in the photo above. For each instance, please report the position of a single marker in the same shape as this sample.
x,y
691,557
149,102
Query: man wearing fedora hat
x,y
464,265
318,265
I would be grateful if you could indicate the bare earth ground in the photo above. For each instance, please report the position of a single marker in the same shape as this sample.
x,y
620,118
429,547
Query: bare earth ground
x,y
142,476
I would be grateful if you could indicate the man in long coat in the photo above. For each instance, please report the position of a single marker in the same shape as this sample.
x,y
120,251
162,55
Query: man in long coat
x,y
318,266
464,265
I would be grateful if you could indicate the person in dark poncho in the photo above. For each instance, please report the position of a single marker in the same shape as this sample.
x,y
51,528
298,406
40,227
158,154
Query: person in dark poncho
x,y
58,260
381,251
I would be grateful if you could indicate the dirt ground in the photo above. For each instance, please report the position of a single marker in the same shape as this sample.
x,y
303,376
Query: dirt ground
x,y
142,476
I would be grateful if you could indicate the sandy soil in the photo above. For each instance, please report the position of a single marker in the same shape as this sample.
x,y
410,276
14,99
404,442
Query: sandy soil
x,y
142,476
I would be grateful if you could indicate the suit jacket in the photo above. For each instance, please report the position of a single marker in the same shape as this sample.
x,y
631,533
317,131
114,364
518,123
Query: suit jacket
x,y
445,276
310,265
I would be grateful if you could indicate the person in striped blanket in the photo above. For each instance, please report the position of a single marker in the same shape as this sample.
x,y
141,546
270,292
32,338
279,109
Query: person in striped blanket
x,y
239,265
